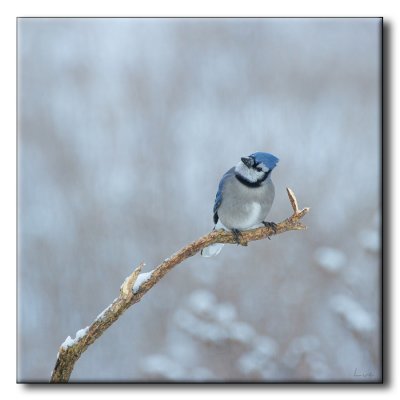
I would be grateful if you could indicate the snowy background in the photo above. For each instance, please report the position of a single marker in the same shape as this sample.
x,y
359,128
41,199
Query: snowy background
x,y
125,127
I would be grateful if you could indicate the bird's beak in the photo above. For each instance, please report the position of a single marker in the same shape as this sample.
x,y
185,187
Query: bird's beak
x,y
247,161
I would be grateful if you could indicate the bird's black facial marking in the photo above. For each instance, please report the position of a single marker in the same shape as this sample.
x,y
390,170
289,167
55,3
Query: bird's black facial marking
x,y
251,184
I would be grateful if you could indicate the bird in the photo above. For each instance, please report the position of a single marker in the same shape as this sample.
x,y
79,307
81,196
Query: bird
x,y
244,197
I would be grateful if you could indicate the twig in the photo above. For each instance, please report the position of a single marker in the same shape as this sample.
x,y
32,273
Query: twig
x,y
137,284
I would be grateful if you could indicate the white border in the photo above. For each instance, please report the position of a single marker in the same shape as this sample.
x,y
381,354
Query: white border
x,y
8,13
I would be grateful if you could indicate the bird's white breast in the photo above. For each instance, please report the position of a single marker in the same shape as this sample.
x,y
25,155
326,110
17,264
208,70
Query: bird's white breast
x,y
253,210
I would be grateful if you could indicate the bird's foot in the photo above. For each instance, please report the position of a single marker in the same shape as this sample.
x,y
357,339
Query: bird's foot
x,y
271,225
237,235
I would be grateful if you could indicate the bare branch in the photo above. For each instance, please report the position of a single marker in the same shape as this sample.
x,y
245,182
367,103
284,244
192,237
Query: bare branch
x,y
293,200
137,284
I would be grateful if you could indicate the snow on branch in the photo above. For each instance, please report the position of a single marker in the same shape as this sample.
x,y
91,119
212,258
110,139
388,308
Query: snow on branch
x,y
138,284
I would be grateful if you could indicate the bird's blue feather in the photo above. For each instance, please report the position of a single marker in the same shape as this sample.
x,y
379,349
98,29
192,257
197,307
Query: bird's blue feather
x,y
267,159
218,197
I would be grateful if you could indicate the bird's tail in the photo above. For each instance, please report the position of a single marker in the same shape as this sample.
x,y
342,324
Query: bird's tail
x,y
212,250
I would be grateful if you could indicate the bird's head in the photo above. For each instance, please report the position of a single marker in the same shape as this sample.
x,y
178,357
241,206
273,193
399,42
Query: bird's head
x,y
256,167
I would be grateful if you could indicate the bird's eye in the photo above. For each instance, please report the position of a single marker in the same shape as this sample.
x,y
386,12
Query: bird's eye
x,y
258,169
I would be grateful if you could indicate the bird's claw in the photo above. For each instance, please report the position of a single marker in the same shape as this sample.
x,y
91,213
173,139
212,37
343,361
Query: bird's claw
x,y
271,225
237,235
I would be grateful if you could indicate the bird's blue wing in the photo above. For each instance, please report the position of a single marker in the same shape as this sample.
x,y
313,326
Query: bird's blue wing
x,y
218,197
217,203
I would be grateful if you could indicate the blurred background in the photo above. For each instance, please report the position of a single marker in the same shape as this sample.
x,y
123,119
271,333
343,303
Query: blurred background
x,y
125,127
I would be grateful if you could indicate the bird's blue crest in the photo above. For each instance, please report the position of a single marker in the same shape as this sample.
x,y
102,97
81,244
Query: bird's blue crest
x,y
269,160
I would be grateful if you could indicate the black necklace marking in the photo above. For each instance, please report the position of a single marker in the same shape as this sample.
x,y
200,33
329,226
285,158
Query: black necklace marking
x,y
255,184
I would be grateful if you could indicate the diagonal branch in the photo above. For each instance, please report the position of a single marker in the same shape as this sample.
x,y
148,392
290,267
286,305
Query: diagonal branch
x,y
138,284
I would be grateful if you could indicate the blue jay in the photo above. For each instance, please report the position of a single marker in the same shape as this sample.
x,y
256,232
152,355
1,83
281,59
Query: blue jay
x,y
244,197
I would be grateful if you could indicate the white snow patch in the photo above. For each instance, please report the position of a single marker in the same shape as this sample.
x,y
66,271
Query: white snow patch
x,y
101,315
330,259
68,342
81,333
142,278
